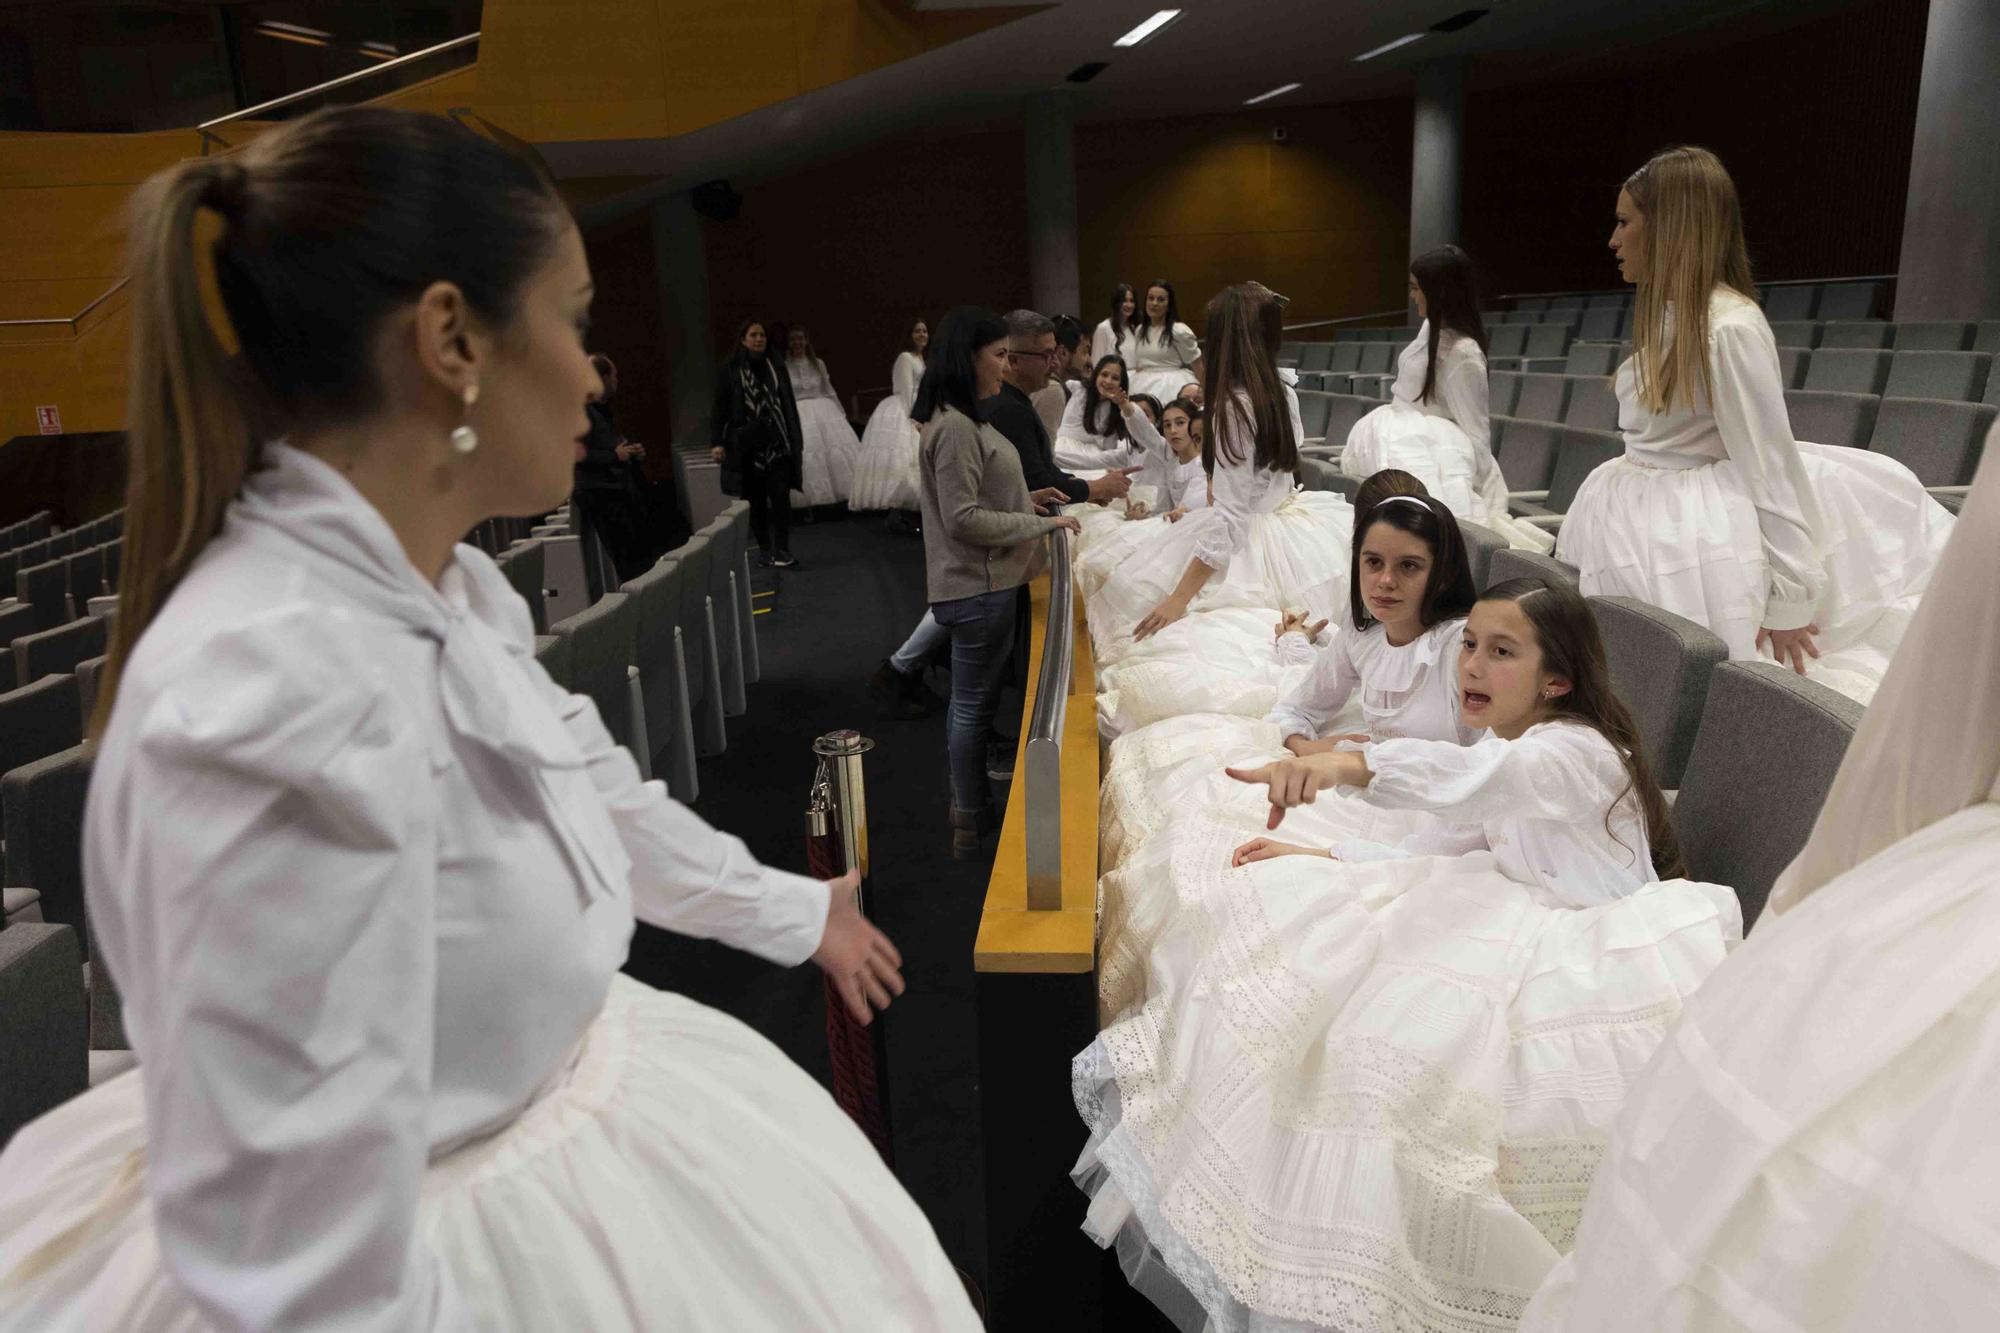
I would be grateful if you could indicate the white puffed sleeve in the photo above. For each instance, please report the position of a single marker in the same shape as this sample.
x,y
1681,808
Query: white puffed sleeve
x,y
1186,345
280,862
906,375
1223,535
1154,455
688,876
1465,393
1307,707
1559,771
1756,429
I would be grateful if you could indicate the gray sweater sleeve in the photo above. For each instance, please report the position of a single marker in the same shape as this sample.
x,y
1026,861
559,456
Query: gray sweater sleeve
x,y
958,463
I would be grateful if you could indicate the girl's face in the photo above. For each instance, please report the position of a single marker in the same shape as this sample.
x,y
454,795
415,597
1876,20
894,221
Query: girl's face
x,y
1198,432
1110,380
920,336
1417,298
1174,424
1156,304
1151,415
1500,678
1395,572
795,344
1127,306
1627,239
989,364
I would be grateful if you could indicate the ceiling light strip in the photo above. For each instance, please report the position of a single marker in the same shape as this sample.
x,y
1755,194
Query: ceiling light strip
x,y
1387,47
1149,29
1275,92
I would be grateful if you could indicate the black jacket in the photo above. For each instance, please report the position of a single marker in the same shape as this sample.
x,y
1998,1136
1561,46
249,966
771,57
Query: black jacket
x,y
600,468
731,425
1013,414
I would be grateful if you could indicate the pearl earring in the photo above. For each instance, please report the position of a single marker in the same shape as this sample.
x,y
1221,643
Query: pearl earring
x,y
465,439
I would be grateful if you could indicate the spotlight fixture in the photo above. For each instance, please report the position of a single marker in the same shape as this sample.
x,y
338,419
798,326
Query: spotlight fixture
x,y
1387,47
1279,91
1149,29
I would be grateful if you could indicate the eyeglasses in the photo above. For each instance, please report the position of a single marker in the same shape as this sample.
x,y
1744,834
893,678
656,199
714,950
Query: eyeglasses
x,y
1030,356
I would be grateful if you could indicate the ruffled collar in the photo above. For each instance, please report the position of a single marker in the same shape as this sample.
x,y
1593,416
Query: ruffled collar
x,y
1385,666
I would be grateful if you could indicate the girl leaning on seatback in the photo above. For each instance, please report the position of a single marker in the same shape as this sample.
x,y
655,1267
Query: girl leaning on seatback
x,y
364,875
1365,1093
1812,553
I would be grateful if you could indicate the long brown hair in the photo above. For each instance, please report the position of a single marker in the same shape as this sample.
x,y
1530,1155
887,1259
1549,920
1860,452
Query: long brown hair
x,y
1245,330
1691,244
1566,633
327,225
1451,301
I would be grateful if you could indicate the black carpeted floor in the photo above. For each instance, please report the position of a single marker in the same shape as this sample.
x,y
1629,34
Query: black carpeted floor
x,y
857,593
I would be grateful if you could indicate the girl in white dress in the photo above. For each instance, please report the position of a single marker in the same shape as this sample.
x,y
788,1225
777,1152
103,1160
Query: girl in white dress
x,y
1261,542
1365,1085
1113,335
1092,435
1164,354
366,876
831,445
1812,1147
885,475
1435,424
1817,553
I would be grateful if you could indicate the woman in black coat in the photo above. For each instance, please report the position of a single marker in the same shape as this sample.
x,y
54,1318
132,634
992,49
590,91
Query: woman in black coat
x,y
754,433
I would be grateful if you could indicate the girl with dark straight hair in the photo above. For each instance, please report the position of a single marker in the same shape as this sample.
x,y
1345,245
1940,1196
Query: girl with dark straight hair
x,y
1436,424
1113,335
364,874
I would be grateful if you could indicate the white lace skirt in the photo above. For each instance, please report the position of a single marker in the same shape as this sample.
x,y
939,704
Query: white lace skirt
x,y
683,1174
885,471
1294,557
1446,460
831,449
1371,1097
1163,384
1687,541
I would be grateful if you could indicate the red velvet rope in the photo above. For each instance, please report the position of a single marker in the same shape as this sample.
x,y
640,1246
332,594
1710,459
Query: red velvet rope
x,y
854,1050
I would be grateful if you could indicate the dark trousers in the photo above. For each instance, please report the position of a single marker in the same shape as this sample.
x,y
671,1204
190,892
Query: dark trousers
x,y
982,641
618,519
769,491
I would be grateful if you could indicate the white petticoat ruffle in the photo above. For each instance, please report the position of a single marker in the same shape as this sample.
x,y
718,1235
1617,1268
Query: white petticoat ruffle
x,y
1456,469
831,449
885,470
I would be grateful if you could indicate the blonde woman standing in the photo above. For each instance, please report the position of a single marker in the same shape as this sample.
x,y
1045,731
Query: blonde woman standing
x,y
1814,554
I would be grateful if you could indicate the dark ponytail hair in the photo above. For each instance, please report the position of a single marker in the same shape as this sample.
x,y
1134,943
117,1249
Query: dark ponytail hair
x,y
1448,591
329,225
1566,633
949,379
1451,301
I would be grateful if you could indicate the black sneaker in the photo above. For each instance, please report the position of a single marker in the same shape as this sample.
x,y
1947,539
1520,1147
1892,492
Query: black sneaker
x,y
1000,763
784,560
764,560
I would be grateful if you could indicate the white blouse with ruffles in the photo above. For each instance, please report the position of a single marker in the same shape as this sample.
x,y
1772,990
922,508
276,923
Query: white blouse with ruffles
x,y
1409,690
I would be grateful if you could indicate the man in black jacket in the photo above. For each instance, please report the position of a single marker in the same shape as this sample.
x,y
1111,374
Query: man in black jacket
x,y
1031,339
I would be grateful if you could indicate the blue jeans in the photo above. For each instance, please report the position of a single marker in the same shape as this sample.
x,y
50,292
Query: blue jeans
x,y
922,641
982,639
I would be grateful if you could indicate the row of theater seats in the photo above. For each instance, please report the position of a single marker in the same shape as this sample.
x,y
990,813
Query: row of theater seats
x,y
666,659
62,584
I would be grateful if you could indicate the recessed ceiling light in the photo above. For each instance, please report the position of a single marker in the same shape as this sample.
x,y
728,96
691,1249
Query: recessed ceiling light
x,y
1275,92
1389,46
1150,28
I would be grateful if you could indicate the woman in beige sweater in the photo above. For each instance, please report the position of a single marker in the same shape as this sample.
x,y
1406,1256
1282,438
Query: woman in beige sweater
x,y
981,545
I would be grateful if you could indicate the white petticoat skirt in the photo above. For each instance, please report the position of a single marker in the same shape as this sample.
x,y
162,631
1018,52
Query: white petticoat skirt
x,y
831,449
885,471
1687,541
1370,1097
1163,384
1456,469
682,1174
1294,557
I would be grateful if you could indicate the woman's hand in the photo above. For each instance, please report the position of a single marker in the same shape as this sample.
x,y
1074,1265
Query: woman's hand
x,y
1793,645
1161,616
1065,523
864,966
1299,781
1136,509
1264,849
717,452
1175,515
1049,497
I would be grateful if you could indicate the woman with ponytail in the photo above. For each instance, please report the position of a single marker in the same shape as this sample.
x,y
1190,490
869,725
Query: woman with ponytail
x,y
364,875
1365,1084
1814,554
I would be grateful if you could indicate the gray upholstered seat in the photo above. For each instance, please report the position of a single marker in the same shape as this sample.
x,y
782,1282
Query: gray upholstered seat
x,y
1792,363
1939,441
1314,408
1592,358
1480,545
1316,356
1346,358
1848,369
1514,563
1526,451
1796,301
1868,334
1542,397
1593,404
522,563
1660,665
1956,375
1343,411
1826,416
1503,389
42,803
58,650
1796,332
657,595
1933,335
1769,744
1850,300
44,1022
601,642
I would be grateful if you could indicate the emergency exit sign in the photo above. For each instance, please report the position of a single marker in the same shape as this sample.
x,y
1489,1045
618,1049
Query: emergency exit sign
x,y
49,419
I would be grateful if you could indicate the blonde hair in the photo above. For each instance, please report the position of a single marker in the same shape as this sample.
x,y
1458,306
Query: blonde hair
x,y
1692,243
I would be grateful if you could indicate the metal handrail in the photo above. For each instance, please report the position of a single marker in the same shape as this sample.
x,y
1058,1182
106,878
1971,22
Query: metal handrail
x,y
1348,319
249,112
70,320
1045,727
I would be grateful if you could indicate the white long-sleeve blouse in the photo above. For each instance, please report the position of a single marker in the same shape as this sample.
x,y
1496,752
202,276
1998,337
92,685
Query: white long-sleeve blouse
x,y
1459,390
1241,489
1409,690
906,375
1177,349
810,379
1748,424
363,873
1543,804
1103,343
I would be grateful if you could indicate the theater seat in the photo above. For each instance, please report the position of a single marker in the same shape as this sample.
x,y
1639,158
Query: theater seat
x,y
1769,744
1503,388
1792,362
1824,416
601,641
1346,358
45,587
44,1022
1955,375
1601,324
1343,411
1316,356
1848,370
1873,334
41,810
1595,358
523,563
1796,332
1939,441
1850,300
1660,664
1794,301
1526,452
1480,545
58,650
1932,336
1579,453
663,675
1314,408
1592,403
1542,397
1514,563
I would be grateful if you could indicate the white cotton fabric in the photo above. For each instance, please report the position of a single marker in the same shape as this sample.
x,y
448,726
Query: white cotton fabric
x,y
1812,1147
1444,441
886,470
1716,514
1162,364
1094,446
1409,689
829,446
365,877
1103,343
